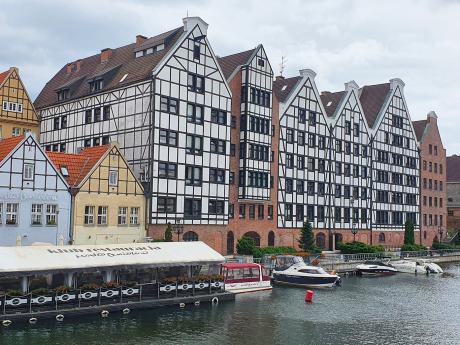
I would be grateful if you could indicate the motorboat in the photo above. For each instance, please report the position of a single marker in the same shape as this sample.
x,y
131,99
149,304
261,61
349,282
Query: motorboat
x,y
375,268
292,270
245,277
417,266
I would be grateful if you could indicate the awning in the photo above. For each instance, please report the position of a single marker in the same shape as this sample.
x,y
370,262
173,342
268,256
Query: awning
x,y
33,259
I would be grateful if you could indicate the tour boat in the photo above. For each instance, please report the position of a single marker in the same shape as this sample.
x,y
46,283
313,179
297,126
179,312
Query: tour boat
x,y
245,277
292,270
417,266
375,268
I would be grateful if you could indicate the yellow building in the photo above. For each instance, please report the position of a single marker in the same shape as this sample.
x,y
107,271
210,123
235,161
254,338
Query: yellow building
x,y
17,112
108,202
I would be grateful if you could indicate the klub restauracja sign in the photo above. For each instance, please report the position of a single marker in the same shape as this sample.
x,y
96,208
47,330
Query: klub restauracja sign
x,y
23,196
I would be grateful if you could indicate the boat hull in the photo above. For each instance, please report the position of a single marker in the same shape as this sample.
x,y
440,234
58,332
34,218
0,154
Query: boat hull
x,y
248,286
304,281
375,272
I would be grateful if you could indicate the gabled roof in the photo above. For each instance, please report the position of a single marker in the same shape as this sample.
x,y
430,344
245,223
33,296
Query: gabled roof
x,y
79,165
372,98
282,87
121,61
453,168
331,100
230,62
8,145
4,75
419,128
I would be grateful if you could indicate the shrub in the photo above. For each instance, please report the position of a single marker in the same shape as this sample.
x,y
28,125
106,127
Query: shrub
x,y
110,285
245,246
412,248
259,252
359,247
168,233
89,286
440,246
14,293
40,291
62,289
409,232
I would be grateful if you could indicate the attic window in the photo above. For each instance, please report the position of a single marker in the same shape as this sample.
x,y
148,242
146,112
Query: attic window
x,y
284,88
96,85
140,53
64,171
160,47
63,94
149,51
261,62
329,104
123,78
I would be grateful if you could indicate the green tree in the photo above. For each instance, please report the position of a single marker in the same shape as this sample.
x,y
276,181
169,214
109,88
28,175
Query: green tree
x,y
168,233
409,232
307,239
245,246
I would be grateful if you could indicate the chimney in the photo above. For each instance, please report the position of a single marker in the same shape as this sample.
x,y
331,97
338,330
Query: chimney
x,y
432,117
70,66
395,82
140,39
191,22
78,64
106,54
351,85
307,73
279,77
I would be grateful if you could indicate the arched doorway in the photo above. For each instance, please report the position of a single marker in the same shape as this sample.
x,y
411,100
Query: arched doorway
x,y
321,240
230,242
271,239
190,236
255,236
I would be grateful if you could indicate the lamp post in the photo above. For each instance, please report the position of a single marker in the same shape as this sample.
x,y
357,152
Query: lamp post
x,y
440,231
354,231
178,228
354,228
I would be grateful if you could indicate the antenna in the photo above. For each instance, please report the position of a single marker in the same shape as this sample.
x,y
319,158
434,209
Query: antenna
x,y
187,14
282,65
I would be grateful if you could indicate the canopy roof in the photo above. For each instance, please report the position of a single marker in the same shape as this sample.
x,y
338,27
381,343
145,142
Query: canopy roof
x,y
33,259
237,265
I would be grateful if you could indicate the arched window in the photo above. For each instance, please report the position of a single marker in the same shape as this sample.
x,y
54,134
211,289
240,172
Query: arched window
x,y
255,236
381,237
271,239
338,238
230,242
190,236
321,240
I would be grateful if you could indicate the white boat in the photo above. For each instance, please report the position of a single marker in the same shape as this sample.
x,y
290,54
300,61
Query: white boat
x,y
375,268
417,266
292,270
245,277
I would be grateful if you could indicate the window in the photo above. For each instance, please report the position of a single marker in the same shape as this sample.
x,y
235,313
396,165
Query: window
x,y
231,211
190,236
290,135
270,212
63,94
89,215
167,170
194,113
347,127
252,211
195,83
338,191
321,142
311,140
169,105
166,205
168,137
321,165
194,144
310,213
242,211
261,62
216,207
260,211
196,51
338,146
382,237
29,171
87,143
97,114
88,117
302,116
289,160
192,208
347,147
231,178
102,212
299,212
193,175
63,122
356,129
288,211
37,210
56,122
62,147
312,119
113,178
300,187
338,168
219,116
232,150
134,219
321,188
320,213
96,142
430,149
435,150
216,175
260,97
338,214
122,215
310,164
301,138
218,146
106,113
96,85
51,214
311,188
289,185
1,213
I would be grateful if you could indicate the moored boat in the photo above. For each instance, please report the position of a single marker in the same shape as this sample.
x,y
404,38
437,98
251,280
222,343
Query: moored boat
x,y
245,277
417,266
375,268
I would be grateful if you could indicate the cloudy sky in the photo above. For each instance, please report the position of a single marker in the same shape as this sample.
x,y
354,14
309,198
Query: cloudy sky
x,y
366,41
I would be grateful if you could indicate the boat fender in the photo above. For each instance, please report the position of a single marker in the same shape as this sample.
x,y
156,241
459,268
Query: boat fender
x,y
33,320
309,296
104,313
197,303
6,323
126,311
60,317
215,300
182,305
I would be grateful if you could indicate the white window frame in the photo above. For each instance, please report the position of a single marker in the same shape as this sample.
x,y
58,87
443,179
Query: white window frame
x,y
102,213
12,210
29,170
122,215
5,105
88,218
52,214
1,213
16,131
36,214
134,218
113,178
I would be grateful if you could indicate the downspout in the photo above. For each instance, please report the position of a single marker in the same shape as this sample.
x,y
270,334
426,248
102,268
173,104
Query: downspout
x,y
148,192
73,193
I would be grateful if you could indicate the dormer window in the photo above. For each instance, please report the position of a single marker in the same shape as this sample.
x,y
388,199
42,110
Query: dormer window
x,y
96,85
63,94
64,171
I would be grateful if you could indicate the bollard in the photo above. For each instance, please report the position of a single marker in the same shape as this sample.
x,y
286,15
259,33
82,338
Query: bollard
x,y
309,296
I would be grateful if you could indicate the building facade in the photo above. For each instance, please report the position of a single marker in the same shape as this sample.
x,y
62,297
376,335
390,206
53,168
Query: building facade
x,y
453,192
108,202
17,112
34,199
433,179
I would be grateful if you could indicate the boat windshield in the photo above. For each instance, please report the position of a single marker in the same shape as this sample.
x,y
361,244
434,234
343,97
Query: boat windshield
x,y
284,262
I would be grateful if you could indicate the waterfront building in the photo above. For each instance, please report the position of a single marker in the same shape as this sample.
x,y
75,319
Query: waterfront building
x,y
453,192
432,179
17,112
34,197
166,102
108,202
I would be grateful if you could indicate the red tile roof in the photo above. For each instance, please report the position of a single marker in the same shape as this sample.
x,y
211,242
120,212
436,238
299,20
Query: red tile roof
x,y
78,164
122,61
279,89
372,98
419,128
230,62
3,76
331,101
453,168
7,145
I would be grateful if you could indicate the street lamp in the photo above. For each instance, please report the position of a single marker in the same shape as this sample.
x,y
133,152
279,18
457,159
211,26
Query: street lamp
x,y
354,231
354,228
440,231
178,228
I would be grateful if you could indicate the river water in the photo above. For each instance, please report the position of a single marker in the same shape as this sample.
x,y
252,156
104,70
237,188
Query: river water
x,y
401,309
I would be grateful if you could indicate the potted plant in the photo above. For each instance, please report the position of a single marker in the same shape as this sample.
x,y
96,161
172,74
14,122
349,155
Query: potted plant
x,y
88,291
202,282
217,282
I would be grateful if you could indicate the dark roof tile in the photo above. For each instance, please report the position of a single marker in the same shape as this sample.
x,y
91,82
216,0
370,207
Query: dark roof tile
x,y
453,168
230,62
331,100
372,99
282,87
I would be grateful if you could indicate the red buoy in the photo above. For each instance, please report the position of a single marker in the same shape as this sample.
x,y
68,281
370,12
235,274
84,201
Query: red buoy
x,y
309,296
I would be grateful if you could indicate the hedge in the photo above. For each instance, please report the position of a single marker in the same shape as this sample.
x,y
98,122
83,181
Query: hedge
x,y
359,247
412,248
259,252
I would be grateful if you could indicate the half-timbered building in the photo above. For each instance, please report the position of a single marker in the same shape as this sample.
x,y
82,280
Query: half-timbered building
x,y
34,199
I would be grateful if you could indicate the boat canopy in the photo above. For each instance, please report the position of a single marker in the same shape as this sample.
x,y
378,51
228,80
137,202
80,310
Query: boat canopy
x,y
43,259
237,265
